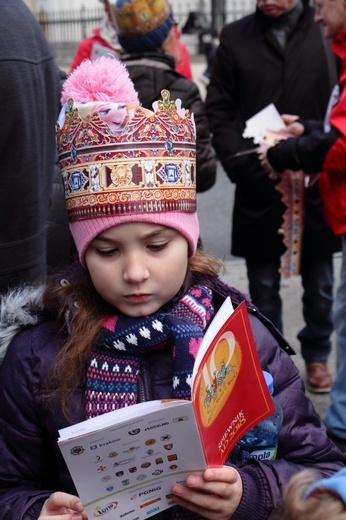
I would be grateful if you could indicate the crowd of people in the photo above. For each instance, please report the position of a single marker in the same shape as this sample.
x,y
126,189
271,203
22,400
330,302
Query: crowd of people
x,y
116,167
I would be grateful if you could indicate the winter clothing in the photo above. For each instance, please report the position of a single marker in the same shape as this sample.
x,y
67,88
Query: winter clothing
x,y
61,250
336,413
103,41
252,70
141,26
334,485
143,166
29,99
154,71
184,324
263,60
322,148
32,466
184,62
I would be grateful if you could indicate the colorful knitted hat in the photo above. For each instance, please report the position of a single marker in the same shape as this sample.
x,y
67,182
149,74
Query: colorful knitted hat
x,y
142,25
120,162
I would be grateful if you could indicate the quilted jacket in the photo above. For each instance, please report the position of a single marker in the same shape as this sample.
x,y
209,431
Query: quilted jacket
x,y
31,464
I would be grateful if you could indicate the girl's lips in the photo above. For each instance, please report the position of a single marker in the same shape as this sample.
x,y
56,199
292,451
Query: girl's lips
x,y
137,298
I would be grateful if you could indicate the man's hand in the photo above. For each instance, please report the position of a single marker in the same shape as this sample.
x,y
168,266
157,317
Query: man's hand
x,y
292,126
273,175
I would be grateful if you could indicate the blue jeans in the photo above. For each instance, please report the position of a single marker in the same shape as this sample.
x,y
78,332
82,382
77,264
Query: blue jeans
x,y
336,414
317,281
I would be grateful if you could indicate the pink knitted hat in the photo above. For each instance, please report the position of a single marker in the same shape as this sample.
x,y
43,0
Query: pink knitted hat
x,y
120,162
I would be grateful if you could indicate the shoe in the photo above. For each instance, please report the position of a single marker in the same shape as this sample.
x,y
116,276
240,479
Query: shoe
x,y
319,379
340,443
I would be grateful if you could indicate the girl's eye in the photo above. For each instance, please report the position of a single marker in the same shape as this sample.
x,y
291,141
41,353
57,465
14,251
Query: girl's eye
x,y
107,252
157,247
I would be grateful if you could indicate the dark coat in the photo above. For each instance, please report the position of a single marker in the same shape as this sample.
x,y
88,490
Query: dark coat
x,y
153,72
32,466
251,70
61,249
29,97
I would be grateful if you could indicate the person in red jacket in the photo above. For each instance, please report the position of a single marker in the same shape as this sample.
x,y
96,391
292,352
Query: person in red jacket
x,y
103,41
320,146
182,55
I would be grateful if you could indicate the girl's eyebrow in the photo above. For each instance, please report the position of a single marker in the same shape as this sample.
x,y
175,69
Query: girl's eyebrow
x,y
161,231
103,239
151,234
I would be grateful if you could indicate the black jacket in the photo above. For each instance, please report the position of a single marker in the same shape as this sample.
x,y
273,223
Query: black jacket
x,y
29,97
61,249
251,71
153,72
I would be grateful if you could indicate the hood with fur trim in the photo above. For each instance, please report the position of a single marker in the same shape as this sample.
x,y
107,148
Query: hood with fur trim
x,y
19,308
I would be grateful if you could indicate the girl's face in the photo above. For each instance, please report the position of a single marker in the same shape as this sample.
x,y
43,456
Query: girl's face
x,y
137,267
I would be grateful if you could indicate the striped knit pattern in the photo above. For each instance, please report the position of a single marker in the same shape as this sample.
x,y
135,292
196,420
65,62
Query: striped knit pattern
x,y
113,366
104,392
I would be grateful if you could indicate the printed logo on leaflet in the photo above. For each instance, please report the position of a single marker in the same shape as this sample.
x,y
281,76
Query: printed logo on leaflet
x,y
77,450
153,510
127,513
151,490
101,511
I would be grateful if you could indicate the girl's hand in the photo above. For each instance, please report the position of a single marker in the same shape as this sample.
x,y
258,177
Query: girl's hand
x,y
215,495
63,506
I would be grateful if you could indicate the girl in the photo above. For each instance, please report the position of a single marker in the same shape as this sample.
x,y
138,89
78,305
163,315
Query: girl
x,y
77,346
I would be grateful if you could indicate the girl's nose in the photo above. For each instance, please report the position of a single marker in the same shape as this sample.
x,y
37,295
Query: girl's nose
x,y
136,268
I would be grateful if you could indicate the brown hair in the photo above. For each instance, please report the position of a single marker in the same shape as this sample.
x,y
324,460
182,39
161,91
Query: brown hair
x,y
78,299
321,506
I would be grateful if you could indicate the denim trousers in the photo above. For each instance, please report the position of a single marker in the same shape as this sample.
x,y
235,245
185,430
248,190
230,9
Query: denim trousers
x,y
336,413
317,280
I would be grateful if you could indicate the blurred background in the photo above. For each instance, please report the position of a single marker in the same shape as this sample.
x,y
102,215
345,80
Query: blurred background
x,y
67,22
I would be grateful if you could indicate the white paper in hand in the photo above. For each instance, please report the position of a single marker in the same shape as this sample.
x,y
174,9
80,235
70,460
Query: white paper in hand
x,y
266,119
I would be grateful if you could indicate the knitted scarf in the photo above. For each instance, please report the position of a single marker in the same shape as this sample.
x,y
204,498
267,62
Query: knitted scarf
x,y
112,376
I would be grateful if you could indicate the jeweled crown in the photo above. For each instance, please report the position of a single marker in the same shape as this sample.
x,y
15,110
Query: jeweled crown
x,y
119,159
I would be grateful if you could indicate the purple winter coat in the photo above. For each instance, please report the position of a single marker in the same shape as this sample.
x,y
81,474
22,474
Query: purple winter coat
x,y
31,466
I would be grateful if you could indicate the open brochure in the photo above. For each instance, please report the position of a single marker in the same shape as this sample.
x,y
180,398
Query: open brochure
x,y
125,462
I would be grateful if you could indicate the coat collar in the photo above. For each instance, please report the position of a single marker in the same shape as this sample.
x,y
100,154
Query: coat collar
x,y
20,308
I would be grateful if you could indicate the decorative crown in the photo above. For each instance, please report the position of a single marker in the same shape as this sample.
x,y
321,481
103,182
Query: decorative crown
x,y
119,159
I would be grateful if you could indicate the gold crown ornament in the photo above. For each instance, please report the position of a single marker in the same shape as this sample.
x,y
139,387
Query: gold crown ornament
x,y
119,159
